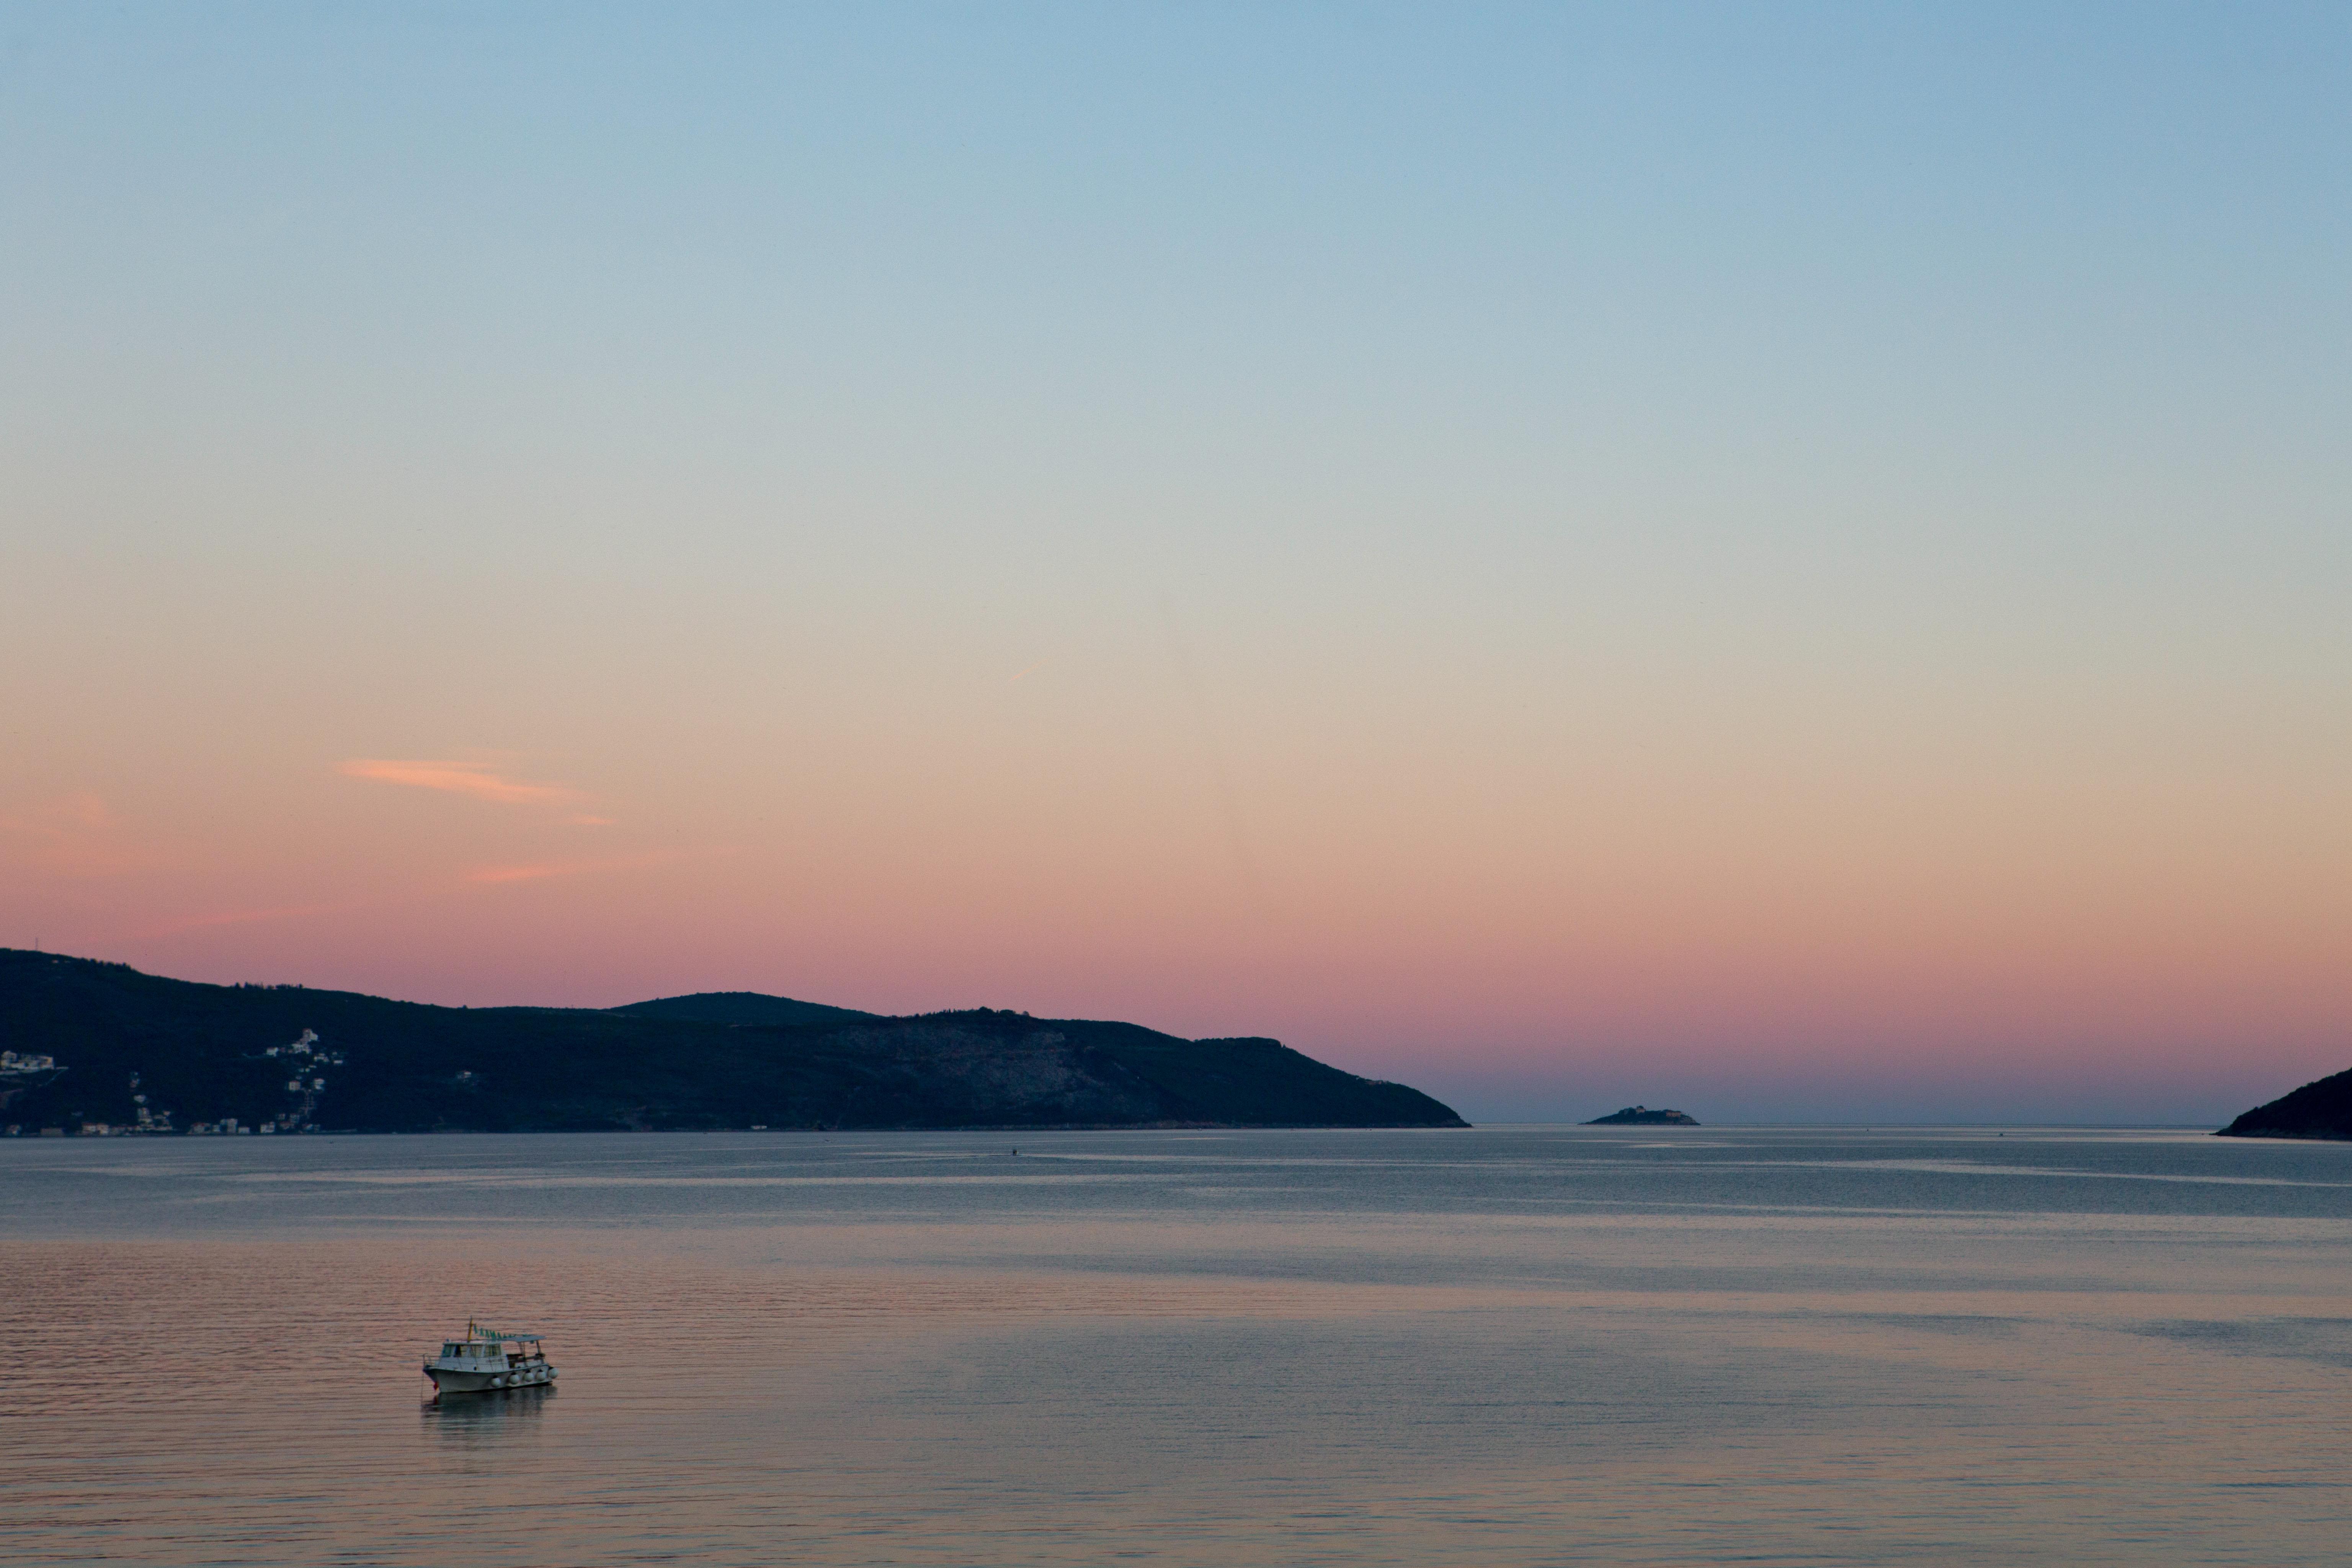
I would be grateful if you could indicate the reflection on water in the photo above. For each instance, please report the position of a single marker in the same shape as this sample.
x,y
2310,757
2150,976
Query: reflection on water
x,y
1502,1347
498,1416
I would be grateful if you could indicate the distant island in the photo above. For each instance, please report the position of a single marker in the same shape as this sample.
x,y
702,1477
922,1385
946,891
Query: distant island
x,y
1643,1116
2321,1109
92,1047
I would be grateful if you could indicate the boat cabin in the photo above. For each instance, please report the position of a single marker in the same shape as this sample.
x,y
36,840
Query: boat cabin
x,y
492,1350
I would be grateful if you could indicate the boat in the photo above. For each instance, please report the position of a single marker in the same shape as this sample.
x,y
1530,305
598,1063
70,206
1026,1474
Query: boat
x,y
489,1360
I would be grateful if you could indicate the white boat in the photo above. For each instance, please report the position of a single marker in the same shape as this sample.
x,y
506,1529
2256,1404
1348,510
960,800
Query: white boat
x,y
489,1359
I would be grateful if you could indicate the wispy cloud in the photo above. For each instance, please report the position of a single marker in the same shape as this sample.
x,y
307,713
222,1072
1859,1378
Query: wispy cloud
x,y
243,917
539,871
524,873
480,780
76,835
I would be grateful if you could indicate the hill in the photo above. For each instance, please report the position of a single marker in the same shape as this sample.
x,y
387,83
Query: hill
x,y
740,1007
183,1054
2320,1109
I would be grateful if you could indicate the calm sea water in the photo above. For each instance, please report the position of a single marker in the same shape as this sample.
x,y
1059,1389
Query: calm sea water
x,y
1502,1346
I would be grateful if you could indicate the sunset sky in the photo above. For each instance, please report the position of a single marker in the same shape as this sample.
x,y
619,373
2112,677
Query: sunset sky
x,y
1793,562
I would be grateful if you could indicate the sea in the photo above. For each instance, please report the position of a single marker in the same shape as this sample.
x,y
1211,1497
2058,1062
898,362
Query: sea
x,y
1523,1345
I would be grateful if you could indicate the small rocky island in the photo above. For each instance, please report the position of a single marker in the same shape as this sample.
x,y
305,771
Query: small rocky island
x,y
1643,1116
2321,1109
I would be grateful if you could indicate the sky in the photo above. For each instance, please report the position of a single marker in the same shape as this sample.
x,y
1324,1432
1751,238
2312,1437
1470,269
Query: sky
x,y
1790,561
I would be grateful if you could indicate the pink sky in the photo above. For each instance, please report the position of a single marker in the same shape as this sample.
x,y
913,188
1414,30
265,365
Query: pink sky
x,y
1766,949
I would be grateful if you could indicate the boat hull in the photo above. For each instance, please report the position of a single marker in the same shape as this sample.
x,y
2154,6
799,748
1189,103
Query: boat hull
x,y
447,1381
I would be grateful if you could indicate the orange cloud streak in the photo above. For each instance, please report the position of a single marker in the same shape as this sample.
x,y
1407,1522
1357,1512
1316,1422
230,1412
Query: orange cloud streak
x,y
476,779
